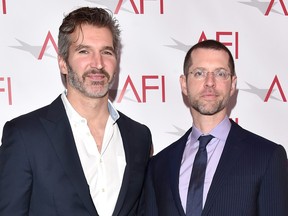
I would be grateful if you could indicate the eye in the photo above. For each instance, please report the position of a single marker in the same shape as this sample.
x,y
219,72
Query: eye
x,y
107,52
221,73
198,73
83,51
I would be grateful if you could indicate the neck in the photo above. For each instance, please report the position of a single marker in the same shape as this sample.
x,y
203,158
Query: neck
x,y
89,108
206,123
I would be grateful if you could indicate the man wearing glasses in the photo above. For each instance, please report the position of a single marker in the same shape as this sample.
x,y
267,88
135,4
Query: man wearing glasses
x,y
217,168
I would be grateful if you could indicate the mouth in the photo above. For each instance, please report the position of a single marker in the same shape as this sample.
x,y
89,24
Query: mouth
x,y
95,76
209,96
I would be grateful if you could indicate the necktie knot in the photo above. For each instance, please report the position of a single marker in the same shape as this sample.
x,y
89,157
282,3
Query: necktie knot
x,y
204,140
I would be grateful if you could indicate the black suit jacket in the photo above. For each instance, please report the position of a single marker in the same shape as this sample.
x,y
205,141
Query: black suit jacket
x,y
41,173
251,179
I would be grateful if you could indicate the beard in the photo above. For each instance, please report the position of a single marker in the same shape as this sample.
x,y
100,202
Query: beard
x,y
91,89
208,107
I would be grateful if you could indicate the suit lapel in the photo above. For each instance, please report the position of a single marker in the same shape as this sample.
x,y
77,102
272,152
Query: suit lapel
x,y
231,152
58,129
125,183
175,159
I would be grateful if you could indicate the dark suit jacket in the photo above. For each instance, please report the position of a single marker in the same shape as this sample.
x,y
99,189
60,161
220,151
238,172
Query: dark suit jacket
x,y
251,179
41,173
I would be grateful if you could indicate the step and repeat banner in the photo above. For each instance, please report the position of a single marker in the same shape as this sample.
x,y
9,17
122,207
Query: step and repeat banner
x,y
156,34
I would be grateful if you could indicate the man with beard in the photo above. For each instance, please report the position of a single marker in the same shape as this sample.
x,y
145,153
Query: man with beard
x,y
236,172
78,155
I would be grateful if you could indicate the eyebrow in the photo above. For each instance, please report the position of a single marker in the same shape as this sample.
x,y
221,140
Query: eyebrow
x,y
81,46
218,68
109,48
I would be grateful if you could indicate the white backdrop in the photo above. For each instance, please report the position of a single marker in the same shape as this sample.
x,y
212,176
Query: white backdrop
x,y
156,35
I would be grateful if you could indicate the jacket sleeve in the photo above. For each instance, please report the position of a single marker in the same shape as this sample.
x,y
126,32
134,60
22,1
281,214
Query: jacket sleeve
x,y
148,202
15,173
273,194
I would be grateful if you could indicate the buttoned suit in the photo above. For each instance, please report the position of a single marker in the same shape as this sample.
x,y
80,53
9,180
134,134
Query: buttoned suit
x,y
251,179
41,173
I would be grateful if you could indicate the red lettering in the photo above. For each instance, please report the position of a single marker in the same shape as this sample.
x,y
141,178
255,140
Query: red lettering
x,y
236,45
145,87
9,91
2,89
275,81
128,81
4,6
236,120
120,2
161,6
163,89
141,6
202,37
48,37
219,38
271,5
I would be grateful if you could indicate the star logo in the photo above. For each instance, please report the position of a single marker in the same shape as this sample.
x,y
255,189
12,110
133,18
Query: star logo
x,y
179,132
179,46
33,50
261,93
262,6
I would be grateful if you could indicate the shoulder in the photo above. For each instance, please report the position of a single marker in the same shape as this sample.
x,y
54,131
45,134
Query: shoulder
x,y
31,119
248,136
252,141
136,137
131,129
130,123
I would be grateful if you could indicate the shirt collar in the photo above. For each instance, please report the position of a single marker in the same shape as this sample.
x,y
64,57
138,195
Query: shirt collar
x,y
220,132
73,115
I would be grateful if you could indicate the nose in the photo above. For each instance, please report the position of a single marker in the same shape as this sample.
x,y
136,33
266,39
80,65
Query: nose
x,y
97,61
210,79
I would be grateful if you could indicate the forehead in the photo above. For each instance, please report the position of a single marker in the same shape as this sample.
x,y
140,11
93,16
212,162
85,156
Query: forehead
x,y
205,57
90,33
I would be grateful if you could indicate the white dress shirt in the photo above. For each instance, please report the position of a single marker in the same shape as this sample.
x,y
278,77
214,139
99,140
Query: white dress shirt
x,y
103,171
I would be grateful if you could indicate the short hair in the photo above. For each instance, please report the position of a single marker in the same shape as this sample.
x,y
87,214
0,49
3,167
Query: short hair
x,y
98,17
209,44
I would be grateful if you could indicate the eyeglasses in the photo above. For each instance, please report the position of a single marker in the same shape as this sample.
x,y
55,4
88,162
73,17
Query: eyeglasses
x,y
201,73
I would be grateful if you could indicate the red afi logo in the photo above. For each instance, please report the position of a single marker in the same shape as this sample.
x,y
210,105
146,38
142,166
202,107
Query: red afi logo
x,y
7,89
160,86
141,7
4,6
277,83
271,5
225,34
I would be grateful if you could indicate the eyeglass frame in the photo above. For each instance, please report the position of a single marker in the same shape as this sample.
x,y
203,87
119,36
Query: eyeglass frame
x,y
206,72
